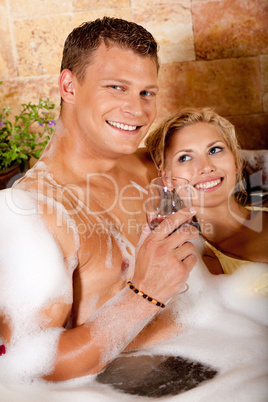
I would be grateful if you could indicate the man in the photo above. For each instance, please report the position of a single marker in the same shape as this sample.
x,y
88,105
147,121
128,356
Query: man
x,y
89,189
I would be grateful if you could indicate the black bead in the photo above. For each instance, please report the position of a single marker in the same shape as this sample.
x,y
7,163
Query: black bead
x,y
136,290
150,299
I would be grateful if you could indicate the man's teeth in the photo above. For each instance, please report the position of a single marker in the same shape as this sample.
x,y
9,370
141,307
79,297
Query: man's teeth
x,y
208,184
122,126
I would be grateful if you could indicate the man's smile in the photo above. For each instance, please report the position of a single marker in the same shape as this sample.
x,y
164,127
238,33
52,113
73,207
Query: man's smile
x,y
122,126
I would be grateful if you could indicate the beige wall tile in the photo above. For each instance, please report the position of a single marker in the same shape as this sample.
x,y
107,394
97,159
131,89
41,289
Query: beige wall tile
x,y
203,1
89,5
34,8
234,32
79,18
233,86
230,28
39,44
171,24
14,92
7,55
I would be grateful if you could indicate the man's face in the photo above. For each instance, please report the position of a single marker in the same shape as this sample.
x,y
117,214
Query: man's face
x,y
115,104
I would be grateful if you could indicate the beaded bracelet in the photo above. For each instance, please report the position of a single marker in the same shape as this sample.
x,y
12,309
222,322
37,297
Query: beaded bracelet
x,y
140,293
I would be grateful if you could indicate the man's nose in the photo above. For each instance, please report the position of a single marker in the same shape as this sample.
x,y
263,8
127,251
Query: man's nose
x,y
133,106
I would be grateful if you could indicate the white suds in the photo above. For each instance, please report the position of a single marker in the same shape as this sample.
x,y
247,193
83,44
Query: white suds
x,y
224,323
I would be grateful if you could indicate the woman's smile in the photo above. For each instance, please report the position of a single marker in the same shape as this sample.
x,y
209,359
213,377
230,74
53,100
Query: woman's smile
x,y
209,185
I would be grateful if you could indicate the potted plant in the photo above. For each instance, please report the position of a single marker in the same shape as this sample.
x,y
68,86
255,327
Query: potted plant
x,y
23,138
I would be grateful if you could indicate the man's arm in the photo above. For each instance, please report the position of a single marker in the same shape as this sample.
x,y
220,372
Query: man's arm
x,y
43,296
88,348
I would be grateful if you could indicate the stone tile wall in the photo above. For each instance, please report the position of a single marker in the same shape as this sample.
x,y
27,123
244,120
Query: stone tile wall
x,y
213,53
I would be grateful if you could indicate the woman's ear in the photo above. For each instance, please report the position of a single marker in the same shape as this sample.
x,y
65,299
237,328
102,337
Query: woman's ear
x,y
236,167
160,171
66,86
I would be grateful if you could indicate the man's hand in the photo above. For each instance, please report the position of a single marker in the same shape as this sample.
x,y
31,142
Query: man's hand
x,y
165,256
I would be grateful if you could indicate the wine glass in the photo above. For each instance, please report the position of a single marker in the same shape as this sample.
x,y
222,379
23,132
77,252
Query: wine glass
x,y
167,195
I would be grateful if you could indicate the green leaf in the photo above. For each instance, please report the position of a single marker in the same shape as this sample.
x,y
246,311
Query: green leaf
x,y
18,136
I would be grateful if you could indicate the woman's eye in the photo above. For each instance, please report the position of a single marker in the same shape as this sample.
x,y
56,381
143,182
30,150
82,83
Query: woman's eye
x,y
184,158
215,150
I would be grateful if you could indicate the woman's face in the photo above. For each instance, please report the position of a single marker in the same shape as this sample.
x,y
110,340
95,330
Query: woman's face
x,y
199,153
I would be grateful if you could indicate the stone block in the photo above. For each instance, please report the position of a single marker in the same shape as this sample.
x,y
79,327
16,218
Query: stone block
x,y
232,86
252,130
29,8
14,92
171,24
79,18
7,58
230,28
90,5
39,44
264,75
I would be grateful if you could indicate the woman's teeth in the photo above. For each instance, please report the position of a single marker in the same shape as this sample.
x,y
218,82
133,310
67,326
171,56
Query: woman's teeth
x,y
208,184
122,126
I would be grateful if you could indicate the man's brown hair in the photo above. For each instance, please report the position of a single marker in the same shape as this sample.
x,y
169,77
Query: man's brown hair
x,y
85,39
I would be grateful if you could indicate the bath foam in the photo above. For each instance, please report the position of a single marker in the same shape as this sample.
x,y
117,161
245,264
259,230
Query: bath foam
x,y
223,327
33,279
223,321
30,282
102,329
36,277
30,357
214,335
28,275
226,338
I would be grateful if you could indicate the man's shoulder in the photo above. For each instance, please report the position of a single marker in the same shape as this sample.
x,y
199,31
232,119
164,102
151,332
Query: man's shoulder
x,y
36,178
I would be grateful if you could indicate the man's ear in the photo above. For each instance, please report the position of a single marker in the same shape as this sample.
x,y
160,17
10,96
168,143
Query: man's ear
x,y
66,86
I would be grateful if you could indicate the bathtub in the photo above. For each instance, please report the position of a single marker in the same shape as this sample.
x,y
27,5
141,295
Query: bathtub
x,y
224,334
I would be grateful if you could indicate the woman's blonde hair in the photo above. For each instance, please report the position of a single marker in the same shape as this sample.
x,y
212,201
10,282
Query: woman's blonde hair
x,y
158,141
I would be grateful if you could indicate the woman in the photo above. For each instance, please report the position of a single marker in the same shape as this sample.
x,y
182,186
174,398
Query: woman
x,y
201,146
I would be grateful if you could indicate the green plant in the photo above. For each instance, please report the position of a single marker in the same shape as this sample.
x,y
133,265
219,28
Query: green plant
x,y
21,140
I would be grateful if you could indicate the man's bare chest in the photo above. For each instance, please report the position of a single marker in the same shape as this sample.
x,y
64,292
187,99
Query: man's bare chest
x,y
106,263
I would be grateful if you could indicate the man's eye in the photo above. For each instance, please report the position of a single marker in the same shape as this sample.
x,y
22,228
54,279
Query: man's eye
x,y
215,150
115,87
184,158
147,93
